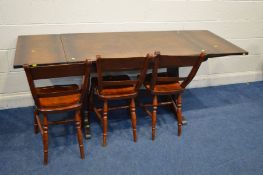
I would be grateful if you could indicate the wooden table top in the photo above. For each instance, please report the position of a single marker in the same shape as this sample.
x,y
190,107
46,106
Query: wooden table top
x,y
43,49
38,49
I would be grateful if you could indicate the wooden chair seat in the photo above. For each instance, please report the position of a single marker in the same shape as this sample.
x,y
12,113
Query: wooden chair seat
x,y
67,101
118,92
115,92
162,88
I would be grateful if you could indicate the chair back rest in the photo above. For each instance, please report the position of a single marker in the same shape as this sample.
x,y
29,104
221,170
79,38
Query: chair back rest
x,y
48,71
165,61
137,64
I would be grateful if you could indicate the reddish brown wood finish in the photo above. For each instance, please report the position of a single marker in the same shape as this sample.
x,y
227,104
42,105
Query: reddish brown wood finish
x,y
80,46
62,48
39,49
117,87
58,98
170,85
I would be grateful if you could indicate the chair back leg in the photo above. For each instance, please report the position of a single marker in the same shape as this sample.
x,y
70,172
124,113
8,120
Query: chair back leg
x,y
154,113
45,138
36,130
79,133
133,118
179,113
105,122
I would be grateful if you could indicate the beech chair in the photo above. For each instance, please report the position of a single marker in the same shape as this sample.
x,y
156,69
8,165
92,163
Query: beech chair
x,y
117,87
58,98
170,85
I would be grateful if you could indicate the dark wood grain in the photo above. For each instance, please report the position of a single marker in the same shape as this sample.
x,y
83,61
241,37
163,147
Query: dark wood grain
x,y
211,44
136,44
38,49
62,48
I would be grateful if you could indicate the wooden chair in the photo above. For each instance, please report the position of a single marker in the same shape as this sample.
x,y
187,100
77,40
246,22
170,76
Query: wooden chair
x,y
169,84
117,87
58,98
